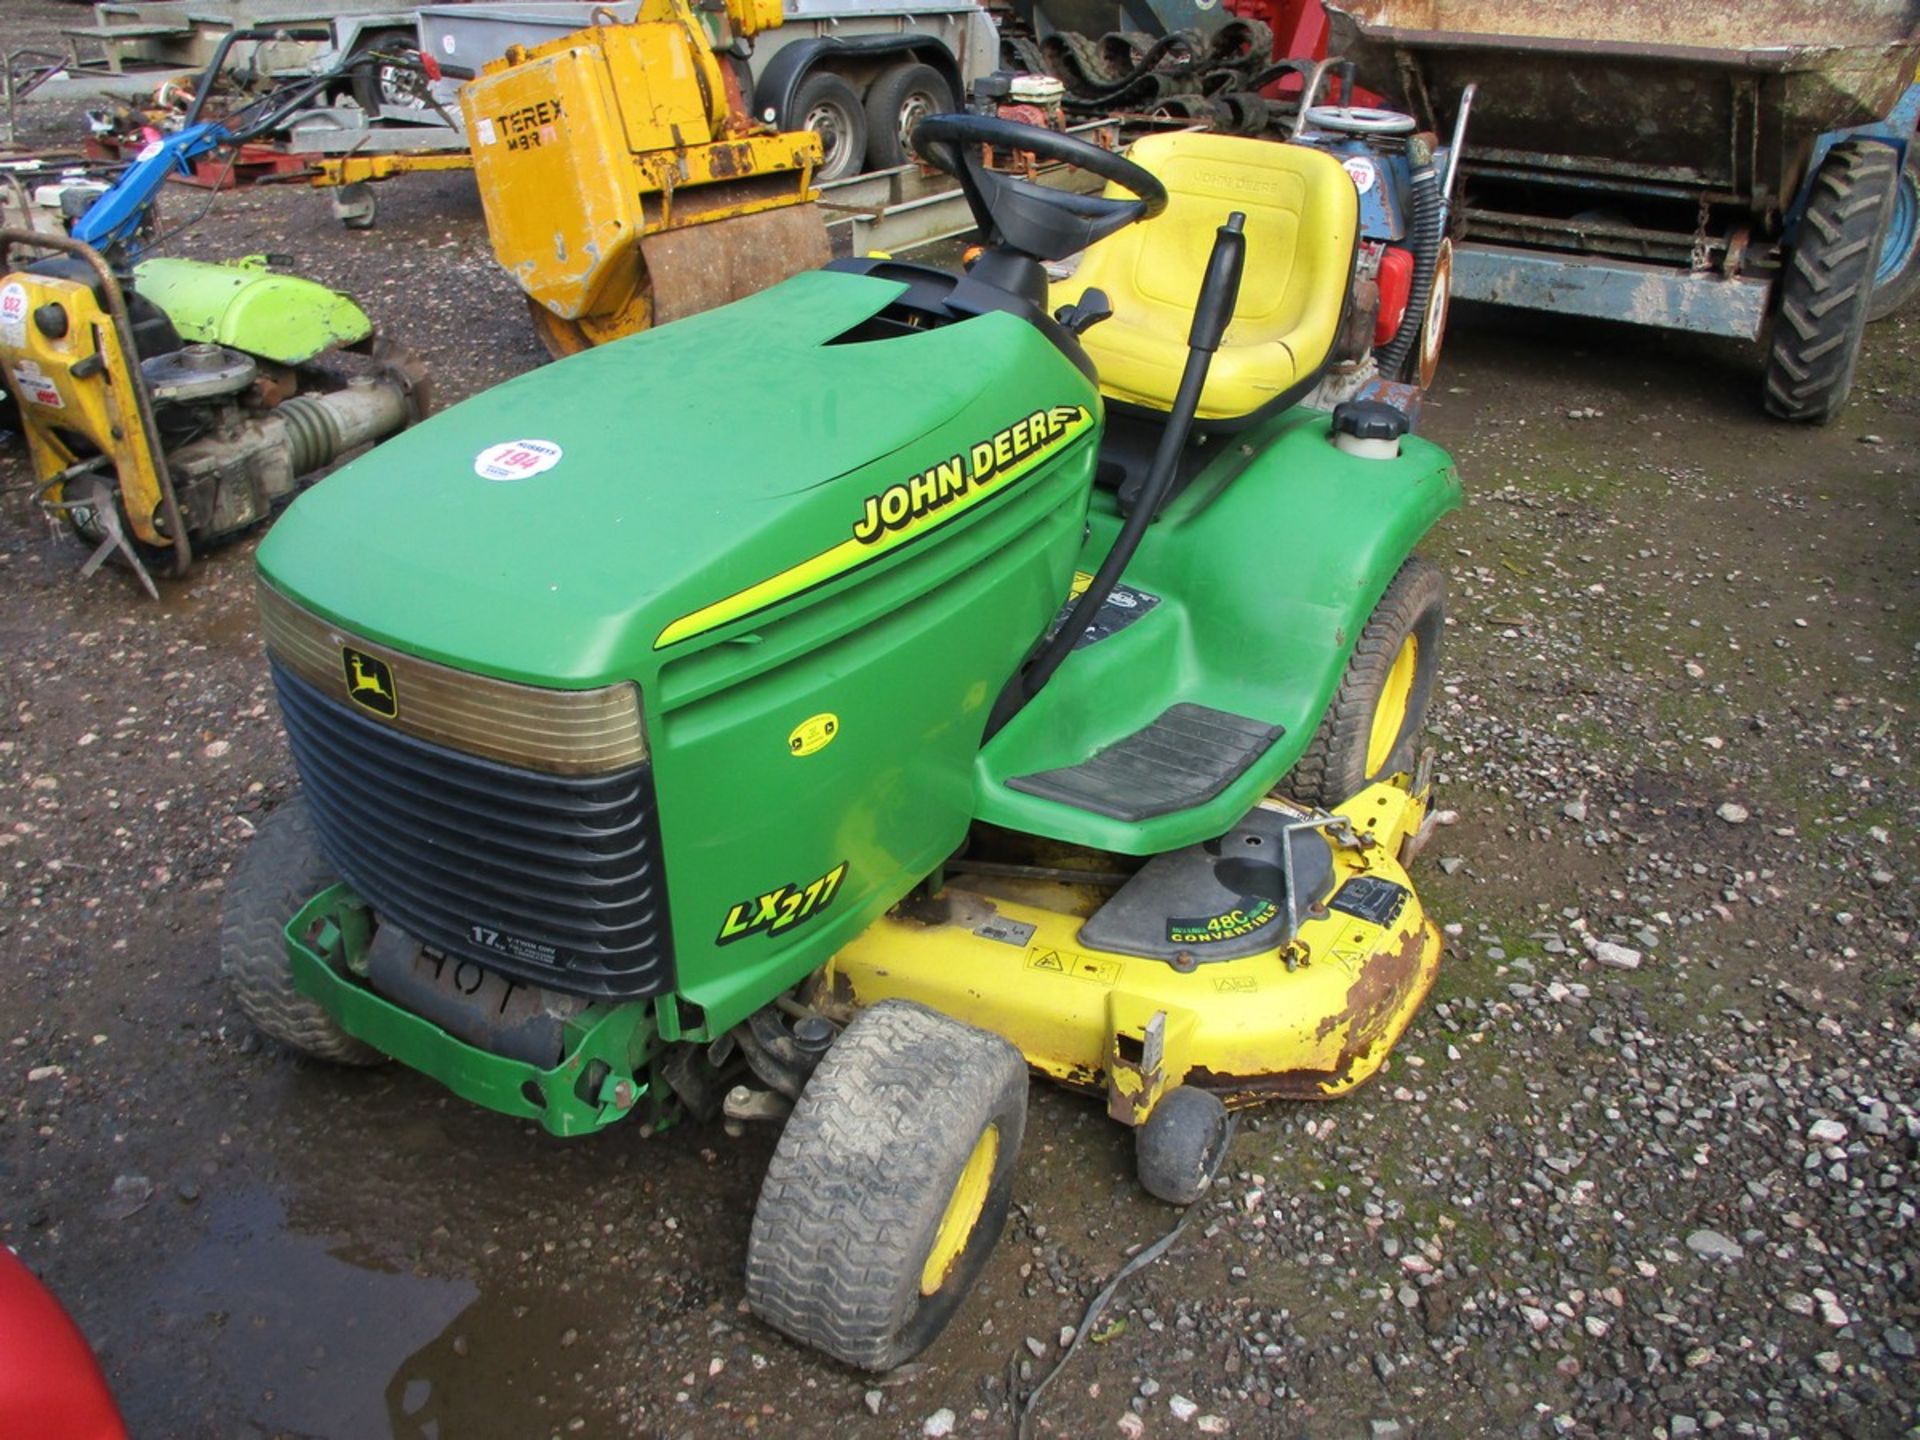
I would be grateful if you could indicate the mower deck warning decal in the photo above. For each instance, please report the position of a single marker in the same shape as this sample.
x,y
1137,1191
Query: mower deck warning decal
x,y
905,511
780,908
1072,962
516,459
370,682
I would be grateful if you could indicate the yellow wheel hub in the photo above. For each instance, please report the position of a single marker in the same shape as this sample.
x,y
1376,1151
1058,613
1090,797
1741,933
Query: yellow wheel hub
x,y
963,1211
1390,715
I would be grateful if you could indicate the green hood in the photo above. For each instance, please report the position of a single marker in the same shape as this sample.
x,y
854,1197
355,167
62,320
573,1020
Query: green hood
x,y
694,462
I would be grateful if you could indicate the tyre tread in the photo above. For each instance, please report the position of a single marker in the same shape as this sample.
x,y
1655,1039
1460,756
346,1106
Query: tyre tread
x,y
281,870
835,1250
1826,288
1334,765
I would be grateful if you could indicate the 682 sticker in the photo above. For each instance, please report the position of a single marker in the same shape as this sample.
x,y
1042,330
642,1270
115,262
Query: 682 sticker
x,y
781,908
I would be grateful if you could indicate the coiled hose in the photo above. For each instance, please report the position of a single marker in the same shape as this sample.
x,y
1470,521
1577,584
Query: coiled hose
x,y
1429,228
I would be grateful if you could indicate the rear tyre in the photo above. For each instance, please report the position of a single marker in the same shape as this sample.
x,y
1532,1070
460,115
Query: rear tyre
x,y
828,106
1372,728
889,1187
1827,284
281,870
1896,275
1176,1151
899,100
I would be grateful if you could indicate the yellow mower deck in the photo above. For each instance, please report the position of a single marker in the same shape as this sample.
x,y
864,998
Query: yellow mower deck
x,y
1306,1021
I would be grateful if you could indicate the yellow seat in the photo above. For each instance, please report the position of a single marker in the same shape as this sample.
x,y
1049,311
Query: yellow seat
x,y
1303,218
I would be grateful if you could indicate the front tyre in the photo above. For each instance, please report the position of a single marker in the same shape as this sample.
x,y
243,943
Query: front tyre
x,y
1372,728
889,1187
281,871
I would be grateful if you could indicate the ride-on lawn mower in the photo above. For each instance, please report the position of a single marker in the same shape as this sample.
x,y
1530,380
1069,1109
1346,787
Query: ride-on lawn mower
x,y
171,404
838,758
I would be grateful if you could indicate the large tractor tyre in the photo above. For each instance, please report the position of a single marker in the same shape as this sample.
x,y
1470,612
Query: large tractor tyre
x,y
831,109
1827,283
889,1187
896,104
1372,728
281,870
1896,275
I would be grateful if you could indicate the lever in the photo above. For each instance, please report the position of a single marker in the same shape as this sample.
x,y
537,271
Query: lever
x,y
1087,312
1212,310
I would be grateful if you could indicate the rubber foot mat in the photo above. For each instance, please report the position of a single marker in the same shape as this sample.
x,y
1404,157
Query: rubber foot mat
x,y
1183,759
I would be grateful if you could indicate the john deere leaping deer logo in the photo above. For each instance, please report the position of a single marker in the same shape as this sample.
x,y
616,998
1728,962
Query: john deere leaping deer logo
x,y
370,682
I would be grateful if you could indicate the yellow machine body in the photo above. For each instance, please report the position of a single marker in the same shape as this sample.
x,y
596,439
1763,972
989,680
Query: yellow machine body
x,y
78,390
592,150
1307,1020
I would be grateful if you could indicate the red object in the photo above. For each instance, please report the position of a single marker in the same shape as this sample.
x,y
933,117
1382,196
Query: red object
x,y
1300,32
50,1384
1396,284
431,64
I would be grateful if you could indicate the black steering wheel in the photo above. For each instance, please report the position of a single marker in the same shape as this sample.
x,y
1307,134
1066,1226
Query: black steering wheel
x,y
1036,220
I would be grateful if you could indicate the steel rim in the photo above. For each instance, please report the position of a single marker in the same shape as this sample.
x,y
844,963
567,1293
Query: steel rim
x,y
1903,229
1433,329
964,1205
1390,715
831,126
915,108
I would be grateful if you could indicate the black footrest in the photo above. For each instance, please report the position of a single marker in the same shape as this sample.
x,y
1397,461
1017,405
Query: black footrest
x,y
1183,759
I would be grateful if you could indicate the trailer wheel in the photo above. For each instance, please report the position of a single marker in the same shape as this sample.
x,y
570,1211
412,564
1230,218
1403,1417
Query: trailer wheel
x,y
1827,283
889,1187
1372,728
281,870
831,109
899,100
1897,275
378,82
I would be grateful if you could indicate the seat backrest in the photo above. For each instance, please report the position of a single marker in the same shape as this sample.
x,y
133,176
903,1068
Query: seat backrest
x,y
1302,224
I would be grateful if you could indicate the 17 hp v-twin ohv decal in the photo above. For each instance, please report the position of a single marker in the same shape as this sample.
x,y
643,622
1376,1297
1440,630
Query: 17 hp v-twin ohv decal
x,y
905,511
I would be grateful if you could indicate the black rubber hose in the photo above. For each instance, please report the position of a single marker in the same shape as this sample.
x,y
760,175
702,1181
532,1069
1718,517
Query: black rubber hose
x,y
1429,229
1213,309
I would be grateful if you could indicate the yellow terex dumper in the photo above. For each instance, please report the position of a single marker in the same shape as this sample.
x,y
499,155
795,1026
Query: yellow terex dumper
x,y
625,184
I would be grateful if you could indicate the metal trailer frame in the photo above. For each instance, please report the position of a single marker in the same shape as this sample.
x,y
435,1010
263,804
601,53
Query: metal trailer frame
x,y
1691,109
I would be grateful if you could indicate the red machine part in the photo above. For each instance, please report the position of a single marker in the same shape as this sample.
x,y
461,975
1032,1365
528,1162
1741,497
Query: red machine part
x,y
1299,26
1396,284
1026,115
50,1383
1300,31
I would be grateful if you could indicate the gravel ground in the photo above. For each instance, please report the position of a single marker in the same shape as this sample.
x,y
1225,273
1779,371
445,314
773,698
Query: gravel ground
x,y
1644,1166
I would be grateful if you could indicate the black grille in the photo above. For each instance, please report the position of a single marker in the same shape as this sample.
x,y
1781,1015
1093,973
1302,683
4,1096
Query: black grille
x,y
553,879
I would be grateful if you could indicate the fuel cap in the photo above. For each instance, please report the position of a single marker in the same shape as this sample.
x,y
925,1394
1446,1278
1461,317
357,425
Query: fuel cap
x,y
1369,429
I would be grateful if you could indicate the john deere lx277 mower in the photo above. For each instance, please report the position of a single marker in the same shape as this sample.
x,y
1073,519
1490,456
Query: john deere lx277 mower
x,y
839,757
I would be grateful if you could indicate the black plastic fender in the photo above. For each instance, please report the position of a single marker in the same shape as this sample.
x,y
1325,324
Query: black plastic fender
x,y
780,81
